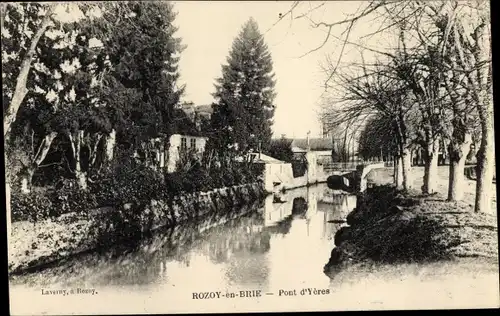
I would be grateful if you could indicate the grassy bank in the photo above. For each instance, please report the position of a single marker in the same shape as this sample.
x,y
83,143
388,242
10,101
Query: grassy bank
x,y
385,176
391,227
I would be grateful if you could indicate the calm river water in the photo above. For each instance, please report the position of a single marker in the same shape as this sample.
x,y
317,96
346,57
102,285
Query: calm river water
x,y
271,247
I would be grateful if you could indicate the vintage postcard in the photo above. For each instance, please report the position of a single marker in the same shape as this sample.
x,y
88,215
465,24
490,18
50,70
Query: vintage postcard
x,y
249,156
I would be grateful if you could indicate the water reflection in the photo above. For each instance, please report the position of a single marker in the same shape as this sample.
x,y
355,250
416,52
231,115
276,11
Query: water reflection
x,y
267,245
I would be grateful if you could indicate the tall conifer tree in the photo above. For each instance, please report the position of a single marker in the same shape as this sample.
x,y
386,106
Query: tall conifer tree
x,y
244,96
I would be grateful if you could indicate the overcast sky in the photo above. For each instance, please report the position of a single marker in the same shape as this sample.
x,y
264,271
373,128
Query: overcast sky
x,y
209,28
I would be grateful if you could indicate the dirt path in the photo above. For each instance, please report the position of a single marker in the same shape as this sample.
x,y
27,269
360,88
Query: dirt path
x,y
385,176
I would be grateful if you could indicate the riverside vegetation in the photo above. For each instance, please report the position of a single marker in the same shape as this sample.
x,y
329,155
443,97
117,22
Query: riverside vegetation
x,y
127,182
134,202
393,226
84,125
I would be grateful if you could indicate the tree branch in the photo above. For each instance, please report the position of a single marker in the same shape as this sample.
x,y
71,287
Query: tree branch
x,y
21,80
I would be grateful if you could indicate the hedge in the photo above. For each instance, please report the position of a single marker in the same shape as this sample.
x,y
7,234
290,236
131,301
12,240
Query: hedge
x,y
127,183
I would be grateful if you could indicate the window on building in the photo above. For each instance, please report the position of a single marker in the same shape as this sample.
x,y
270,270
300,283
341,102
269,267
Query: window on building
x,y
183,143
193,143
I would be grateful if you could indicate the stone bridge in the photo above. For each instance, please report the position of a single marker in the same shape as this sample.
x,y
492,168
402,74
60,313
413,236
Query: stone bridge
x,y
351,176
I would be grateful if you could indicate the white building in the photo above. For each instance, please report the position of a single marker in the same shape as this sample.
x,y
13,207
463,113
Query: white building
x,y
279,174
180,143
168,158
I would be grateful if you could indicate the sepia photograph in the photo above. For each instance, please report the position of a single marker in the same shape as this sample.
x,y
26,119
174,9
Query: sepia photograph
x,y
168,157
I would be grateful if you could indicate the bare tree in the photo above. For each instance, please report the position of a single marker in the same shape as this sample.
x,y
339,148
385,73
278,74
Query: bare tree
x,y
464,51
420,72
376,90
470,38
459,34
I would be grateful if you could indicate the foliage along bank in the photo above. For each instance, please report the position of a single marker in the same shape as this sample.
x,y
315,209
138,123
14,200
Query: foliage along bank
x,y
153,250
128,181
388,226
36,244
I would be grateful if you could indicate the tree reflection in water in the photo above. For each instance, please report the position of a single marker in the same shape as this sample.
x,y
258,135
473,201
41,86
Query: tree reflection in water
x,y
343,205
236,238
219,236
235,243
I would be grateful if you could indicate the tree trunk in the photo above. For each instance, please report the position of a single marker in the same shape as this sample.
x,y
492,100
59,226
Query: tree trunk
x,y
480,86
345,150
456,181
485,160
79,173
20,90
484,92
395,173
81,178
3,13
406,166
110,145
76,145
29,171
8,210
398,172
404,151
94,152
7,201
26,179
431,167
458,150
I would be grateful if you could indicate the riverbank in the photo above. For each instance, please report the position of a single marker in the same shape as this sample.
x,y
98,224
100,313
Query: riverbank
x,y
390,227
36,244
384,176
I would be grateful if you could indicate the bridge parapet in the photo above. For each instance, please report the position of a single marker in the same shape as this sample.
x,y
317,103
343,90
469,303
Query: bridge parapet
x,y
355,180
361,173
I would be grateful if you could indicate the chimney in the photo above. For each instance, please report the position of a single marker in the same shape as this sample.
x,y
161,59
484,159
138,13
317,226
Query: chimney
x,y
308,141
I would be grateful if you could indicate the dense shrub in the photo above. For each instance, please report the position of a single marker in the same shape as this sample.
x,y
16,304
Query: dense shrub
x,y
129,182
238,177
30,207
39,205
253,172
174,183
216,177
69,198
228,178
202,180
281,149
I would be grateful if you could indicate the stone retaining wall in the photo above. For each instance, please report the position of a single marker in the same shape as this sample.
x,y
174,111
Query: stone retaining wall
x,y
36,244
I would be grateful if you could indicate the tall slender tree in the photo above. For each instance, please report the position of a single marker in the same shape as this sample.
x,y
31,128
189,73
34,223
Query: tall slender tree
x,y
244,108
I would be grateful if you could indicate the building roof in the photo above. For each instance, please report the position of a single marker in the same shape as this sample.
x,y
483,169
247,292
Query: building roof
x,y
296,149
268,159
190,135
314,143
206,110
261,158
191,109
